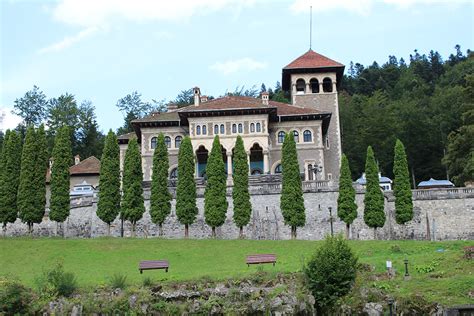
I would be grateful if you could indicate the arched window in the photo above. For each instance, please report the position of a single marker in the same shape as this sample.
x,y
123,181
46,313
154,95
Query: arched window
x,y
204,129
278,168
174,173
177,141
222,129
314,83
252,128
307,136
241,130
168,141
234,128
300,86
153,142
327,85
281,137
216,129
310,172
198,130
296,136
259,127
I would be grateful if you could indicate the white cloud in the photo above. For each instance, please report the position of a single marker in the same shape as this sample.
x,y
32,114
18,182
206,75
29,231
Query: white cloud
x,y
233,66
8,120
88,13
363,7
68,41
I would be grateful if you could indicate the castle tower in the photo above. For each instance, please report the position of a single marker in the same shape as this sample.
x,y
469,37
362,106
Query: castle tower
x,y
312,81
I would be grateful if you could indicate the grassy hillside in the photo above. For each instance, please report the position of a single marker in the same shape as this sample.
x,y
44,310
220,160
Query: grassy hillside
x,y
437,268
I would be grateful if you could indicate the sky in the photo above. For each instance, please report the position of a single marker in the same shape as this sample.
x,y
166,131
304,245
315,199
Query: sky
x,y
102,50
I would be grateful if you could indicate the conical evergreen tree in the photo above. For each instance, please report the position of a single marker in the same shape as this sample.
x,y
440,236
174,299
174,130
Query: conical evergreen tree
x,y
10,181
108,207
374,214
346,206
291,200
132,200
41,163
215,200
62,160
186,209
3,174
160,200
402,189
240,191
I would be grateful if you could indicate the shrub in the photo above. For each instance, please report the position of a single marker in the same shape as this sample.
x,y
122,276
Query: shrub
x,y
57,282
147,281
15,298
331,272
118,281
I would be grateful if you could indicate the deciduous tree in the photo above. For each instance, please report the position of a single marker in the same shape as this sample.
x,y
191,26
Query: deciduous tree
x,y
31,107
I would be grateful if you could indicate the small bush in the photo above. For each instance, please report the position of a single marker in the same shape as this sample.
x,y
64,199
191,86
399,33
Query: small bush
x,y
118,281
147,281
395,249
56,282
15,298
331,272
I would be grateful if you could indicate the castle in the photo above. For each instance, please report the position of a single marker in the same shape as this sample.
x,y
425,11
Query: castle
x,y
312,80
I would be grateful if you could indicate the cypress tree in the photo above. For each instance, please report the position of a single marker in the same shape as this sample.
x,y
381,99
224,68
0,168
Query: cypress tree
x,y
62,159
3,159
215,201
10,179
186,209
374,214
402,190
132,200
108,206
240,191
160,200
346,206
41,163
291,200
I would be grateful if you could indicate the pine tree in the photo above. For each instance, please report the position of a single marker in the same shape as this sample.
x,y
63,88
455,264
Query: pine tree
x,y
346,206
374,214
160,200
240,191
108,206
41,163
291,200
186,209
132,200
402,189
10,179
62,159
215,200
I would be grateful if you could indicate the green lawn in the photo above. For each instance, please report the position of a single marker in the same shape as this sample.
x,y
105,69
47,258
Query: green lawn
x,y
95,260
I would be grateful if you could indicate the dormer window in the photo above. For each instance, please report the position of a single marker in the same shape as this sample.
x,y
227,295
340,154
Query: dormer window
x,y
300,86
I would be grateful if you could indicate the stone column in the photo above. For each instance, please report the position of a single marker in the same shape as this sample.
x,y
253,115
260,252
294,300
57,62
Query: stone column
x,y
248,160
334,89
308,88
266,167
321,87
229,165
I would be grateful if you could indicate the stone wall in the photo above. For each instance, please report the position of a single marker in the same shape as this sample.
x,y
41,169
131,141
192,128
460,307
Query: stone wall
x,y
439,215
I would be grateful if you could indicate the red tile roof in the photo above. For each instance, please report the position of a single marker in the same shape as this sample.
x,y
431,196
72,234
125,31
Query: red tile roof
x,y
90,165
311,59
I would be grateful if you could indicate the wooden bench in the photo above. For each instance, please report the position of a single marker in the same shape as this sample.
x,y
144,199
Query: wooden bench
x,y
261,258
469,252
153,264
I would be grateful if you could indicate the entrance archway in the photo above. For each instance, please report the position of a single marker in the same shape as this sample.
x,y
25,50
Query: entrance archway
x,y
256,160
201,156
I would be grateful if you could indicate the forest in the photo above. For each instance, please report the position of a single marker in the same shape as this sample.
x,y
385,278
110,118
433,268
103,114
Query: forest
x,y
426,102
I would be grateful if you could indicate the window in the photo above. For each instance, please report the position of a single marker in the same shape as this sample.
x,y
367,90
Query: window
x,y
153,142
278,168
241,130
327,142
222,129
300,86
198,130
329,176
252,128
177,141
234,128
281,137
307,136
216,129
310,172
296,136
327,85
314,83
174,173
259,127
168,141
204,129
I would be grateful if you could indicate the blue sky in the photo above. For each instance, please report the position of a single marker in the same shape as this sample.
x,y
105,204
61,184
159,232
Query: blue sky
x,y
101,50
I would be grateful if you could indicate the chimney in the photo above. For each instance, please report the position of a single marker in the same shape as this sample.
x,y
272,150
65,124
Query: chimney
x,y
172,107
265,98
197,96
204,98
77,159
